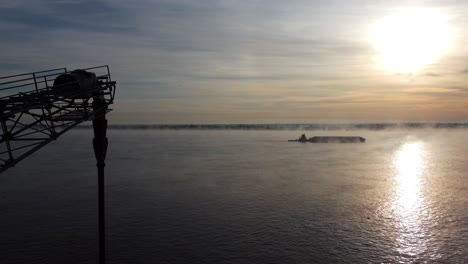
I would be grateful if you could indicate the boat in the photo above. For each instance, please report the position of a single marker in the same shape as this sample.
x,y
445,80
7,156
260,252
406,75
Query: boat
x,y
337,139
330,139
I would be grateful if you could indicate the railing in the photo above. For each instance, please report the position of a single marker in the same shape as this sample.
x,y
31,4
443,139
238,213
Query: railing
x,y
34,112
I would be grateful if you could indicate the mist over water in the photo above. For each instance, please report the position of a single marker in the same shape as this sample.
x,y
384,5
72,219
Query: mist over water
x,y
233,196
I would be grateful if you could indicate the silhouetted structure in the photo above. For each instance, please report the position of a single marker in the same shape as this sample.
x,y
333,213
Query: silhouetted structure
x,y
38,107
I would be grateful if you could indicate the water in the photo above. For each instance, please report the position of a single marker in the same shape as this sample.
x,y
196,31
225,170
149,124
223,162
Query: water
x,y
229,196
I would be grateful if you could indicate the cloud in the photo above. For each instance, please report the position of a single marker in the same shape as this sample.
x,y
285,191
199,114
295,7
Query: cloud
x,y
185,56
47,15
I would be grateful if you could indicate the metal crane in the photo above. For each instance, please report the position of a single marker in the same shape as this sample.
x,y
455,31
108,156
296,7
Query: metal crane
x,y
38,107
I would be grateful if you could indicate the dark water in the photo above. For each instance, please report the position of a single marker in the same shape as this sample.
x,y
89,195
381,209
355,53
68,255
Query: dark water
x,y
242,197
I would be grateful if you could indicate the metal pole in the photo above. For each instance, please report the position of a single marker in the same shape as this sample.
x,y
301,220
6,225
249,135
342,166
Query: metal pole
x,y
102,221
100,148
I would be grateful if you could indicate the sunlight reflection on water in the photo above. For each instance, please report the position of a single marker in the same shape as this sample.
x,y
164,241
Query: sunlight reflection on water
x,y
409,203
409,164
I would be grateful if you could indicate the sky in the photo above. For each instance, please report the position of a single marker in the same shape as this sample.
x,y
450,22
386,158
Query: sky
x,y
255,61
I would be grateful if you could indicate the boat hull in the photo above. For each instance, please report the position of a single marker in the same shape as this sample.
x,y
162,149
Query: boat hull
x,y
332,139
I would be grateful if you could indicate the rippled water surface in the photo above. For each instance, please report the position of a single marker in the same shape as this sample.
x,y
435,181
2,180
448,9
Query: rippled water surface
x,y
242,197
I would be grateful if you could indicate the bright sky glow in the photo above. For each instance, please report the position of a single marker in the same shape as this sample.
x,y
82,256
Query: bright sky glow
x,y
412,39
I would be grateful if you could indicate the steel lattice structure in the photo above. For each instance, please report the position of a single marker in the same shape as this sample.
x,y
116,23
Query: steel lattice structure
x,y
34,109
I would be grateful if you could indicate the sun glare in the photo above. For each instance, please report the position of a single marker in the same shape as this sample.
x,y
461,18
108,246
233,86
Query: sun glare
x,y
409,40
410,164
409,200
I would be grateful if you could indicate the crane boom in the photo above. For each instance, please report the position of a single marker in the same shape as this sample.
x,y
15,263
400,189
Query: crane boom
x,y
38,107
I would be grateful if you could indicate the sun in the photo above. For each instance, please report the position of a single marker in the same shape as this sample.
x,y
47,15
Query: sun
x,y
411,39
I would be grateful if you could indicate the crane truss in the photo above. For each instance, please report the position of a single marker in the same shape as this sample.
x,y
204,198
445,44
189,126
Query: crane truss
x,y
33,111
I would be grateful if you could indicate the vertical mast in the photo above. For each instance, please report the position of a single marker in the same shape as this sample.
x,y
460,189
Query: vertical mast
x,y
100,143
